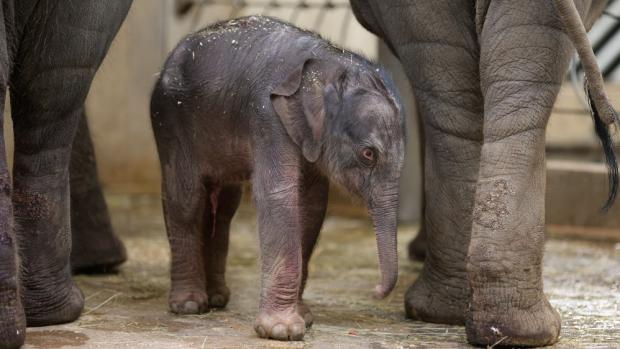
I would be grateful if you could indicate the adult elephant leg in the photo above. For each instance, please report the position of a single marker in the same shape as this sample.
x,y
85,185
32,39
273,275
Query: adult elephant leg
x,y
62,46
95,247
437,43
417,246
524,56
12,318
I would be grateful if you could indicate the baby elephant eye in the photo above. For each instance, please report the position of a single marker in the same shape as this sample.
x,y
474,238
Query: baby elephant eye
x,y
368,156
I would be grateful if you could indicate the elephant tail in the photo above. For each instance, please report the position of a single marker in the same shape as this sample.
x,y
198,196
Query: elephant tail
x,y
603,112
602,131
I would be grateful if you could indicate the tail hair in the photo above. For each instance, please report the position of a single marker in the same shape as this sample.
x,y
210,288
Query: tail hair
x,y
602,131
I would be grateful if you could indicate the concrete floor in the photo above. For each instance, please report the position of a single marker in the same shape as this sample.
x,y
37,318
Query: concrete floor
x,y
129,310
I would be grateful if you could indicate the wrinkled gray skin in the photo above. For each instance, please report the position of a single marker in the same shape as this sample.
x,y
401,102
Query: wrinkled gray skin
x,y
485,75
49,52
94,246
258,99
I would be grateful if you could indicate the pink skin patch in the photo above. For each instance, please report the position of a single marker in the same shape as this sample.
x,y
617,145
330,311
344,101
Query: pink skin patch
x,y
214,194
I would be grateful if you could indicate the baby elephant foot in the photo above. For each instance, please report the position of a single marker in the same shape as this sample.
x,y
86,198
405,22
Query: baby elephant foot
x,y
186,302
218,296
532,327
305,314
52,307
284,326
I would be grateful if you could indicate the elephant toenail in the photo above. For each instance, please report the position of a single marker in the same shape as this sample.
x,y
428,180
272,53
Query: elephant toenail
x,y
279,331
191,307
261,332
217,300
297,331
308,319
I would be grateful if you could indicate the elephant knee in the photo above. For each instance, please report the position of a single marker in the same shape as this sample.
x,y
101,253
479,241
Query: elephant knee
x,y
518,110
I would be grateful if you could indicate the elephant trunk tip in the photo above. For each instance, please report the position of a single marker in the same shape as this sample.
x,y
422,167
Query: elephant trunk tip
x,y
382,290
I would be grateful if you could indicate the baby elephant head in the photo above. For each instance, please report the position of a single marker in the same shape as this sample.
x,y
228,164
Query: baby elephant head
x,y
348,120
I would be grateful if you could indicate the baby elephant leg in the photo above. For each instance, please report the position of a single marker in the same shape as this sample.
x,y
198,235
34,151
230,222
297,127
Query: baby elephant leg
x,y
184,204
314,204
277,191
222,205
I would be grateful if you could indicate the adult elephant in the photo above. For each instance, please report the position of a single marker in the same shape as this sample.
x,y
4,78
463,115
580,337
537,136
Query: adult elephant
x,y
49,53
486,75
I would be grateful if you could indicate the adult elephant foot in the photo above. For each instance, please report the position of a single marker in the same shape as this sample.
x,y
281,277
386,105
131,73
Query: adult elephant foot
x,y
417,246
96,252
44,306
95,247
507,302
12,325
13,334
533,326
12,318
12,321
431,300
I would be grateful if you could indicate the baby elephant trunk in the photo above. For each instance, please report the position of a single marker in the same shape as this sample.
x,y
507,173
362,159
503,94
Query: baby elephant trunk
x,y
383,212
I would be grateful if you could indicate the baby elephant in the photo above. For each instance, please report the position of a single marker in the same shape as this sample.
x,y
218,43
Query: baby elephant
x,y
256,98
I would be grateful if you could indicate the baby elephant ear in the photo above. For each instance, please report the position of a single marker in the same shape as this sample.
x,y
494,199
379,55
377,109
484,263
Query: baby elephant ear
x,y
301,112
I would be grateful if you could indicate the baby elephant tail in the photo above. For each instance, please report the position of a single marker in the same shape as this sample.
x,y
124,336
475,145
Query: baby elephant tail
x,y
603,112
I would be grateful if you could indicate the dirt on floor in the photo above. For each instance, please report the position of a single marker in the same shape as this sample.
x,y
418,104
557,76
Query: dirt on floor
x,y
130,309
